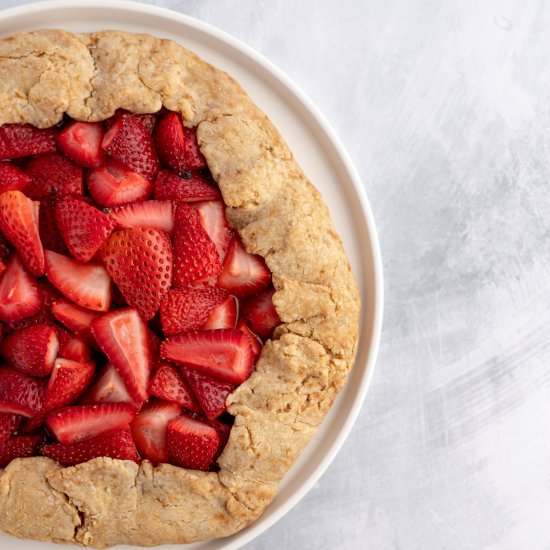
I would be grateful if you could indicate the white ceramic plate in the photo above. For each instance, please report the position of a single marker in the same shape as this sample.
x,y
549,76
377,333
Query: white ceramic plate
x,y
323,159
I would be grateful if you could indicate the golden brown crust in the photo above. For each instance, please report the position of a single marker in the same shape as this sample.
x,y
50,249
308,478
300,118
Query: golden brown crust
x,y
279,215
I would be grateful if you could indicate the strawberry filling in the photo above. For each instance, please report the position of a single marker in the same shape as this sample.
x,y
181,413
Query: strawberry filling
x,y
129,308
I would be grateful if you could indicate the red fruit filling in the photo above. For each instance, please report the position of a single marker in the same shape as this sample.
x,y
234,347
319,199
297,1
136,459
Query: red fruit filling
x,y
129,308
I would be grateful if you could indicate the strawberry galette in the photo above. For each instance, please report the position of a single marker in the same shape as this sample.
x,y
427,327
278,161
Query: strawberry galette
x,y
177,313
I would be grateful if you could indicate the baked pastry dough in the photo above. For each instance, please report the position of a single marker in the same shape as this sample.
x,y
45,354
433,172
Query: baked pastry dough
x,y
279,215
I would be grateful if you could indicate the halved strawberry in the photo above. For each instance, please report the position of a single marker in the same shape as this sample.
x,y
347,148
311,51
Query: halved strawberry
x,y
77,423
195,256
194,159
210,393
32,350
114,184
77,319
243,274
170,141
53,173
191,187
76,349
140,263
12,178
83,227
68,381
254,339
81,142
22,140
224,354
88,285
212,218
19,446
123,336
148,120
149,429
186,309
154,214
191,443
169,384
223,316
19,223
49,231
19,294
260,313
115,444
20,393
108,388
8,424
223,433
129,142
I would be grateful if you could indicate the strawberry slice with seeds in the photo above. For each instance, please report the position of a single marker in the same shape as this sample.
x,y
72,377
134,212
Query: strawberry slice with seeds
x,y
129,142
123,336
68,381
117,444
243,274
169,384
261,315
88,285
224,354
191,187
210,393
77,319
53,173
148,120
19,223
191,443
254,339
170,141
83,227
81,142
75,348
140,263
108,388
157,215
32,350
223,316
223,433
115,184
8,424
22,140
194,159
212,218
12,178
19,446
80,422
186,309
149,429
20,393
195,256
49,231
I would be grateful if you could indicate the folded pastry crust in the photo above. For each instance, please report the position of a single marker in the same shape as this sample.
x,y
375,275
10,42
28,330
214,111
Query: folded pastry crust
x,y
279,215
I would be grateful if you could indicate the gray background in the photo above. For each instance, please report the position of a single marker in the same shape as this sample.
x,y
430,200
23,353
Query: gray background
x,y
445,108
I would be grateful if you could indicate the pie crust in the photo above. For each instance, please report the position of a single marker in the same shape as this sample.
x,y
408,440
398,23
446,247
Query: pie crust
x,y
279,215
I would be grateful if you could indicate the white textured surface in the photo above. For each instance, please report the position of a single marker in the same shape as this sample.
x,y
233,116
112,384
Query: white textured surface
x,y
444,107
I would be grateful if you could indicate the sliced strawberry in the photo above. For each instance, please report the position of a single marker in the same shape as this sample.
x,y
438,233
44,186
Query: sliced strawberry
x,y
20,393
169,384
77,319
114,184
194,159
83,227
191,443
32,350
212,218
43,315
81,142
68,381
148,120
260,314
154,214
53,173
243,274
19,223
129,142
115,444
191,187
223,316
19,446
254,339
211,393
108,388
75,348
195,256
223,433
186,309
224,354
19,294
123,337
77,423
22,140
170,141
12,178
88,285
49,231
8,424
149,429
